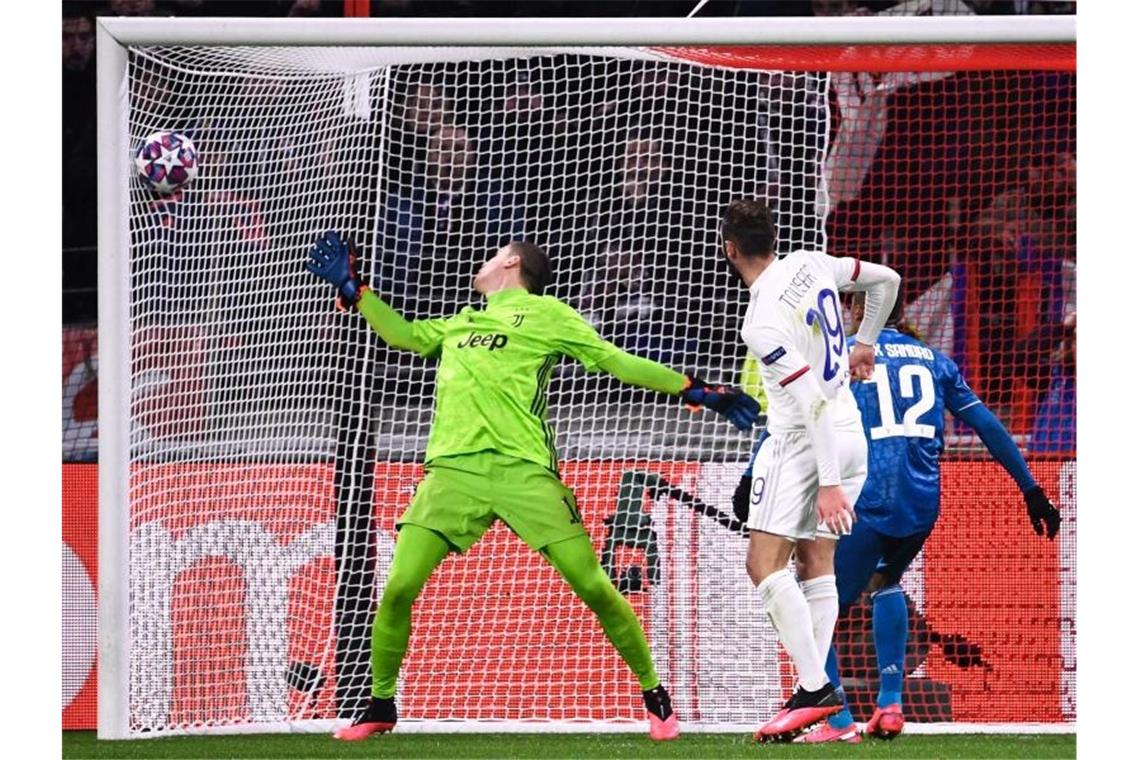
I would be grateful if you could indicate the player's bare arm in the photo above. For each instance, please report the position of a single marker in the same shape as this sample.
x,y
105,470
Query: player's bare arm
x,y
880,286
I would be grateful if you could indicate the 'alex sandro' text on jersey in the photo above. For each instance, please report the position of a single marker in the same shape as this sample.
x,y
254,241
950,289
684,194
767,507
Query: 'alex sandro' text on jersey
x,y
904,408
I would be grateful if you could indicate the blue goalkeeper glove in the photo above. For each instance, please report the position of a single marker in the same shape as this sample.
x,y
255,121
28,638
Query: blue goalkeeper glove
x,y
741,409
334,261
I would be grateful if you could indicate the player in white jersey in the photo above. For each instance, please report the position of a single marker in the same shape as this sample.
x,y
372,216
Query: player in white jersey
x,y
812,459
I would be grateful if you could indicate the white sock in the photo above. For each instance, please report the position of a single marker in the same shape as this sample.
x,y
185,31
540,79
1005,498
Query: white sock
x,y
792,618
823,600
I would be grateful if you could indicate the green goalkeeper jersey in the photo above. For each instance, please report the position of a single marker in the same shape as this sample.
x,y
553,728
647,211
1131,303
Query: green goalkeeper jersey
x,y
494,367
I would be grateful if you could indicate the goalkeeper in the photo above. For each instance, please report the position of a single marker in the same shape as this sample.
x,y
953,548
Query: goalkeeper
x,y
491,451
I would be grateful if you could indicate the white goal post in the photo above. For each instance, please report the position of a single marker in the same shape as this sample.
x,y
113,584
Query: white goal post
x,y
243,526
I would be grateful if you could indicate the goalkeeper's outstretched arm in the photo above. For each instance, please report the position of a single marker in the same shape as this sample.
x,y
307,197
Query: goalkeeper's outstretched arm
x,y
740,408
644,373
334,261
576,338
390,325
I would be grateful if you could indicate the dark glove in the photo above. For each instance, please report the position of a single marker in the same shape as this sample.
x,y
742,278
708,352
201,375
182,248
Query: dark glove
x,y
742,498
334,261
733,403
1043,515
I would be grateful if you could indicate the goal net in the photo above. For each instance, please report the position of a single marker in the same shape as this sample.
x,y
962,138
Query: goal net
x,y
257,445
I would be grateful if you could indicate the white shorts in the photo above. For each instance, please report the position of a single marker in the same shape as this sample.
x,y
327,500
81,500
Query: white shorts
x,y
785,482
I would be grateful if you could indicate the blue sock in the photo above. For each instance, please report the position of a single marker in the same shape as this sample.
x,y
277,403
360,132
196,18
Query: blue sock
x,y
843,718
890,623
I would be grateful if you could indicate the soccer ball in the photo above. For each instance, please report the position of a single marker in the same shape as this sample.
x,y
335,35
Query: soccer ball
x,y
167,161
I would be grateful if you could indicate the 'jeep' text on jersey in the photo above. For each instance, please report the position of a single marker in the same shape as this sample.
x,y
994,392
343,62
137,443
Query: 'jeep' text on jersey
x,y
495,364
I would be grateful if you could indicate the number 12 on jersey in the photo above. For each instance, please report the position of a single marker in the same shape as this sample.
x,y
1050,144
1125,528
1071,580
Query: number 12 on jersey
x,y
910,375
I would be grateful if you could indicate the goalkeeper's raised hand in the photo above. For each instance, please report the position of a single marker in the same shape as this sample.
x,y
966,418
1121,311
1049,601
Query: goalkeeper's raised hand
x,y
1043,515
334,261
733,403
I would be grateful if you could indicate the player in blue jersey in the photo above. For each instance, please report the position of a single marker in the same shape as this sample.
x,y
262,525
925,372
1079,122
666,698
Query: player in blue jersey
x,y
904,407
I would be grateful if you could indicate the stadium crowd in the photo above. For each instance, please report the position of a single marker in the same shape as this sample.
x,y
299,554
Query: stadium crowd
x,y
950,179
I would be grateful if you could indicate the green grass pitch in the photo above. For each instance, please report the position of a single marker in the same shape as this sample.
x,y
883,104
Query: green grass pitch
x,y
82,744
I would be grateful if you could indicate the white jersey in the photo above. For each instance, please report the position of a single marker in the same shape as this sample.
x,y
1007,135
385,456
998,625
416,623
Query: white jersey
x,y
794,328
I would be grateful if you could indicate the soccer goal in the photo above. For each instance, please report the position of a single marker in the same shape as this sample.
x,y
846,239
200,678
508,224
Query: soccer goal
x,y
256,445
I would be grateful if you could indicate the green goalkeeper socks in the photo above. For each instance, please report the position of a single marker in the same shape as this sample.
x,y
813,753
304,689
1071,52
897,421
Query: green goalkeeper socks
x,y
575,560
418,552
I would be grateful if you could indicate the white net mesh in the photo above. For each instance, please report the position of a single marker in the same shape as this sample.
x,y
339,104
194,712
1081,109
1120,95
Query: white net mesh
x,y
269,432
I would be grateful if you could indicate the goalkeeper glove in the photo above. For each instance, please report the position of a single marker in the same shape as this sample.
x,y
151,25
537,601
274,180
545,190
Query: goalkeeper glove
x,y
742,498
740,408
334,261
1043,515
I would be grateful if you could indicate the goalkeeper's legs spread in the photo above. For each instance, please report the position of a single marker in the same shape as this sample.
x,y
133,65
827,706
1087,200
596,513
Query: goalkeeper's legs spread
x,y
418,552
575,560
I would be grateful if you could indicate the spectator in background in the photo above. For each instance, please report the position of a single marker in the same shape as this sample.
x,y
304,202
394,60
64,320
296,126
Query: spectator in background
x,y
837,8
303,8
632,196
1055,421
515,127
450,159
132,7
642,167
538,143
79,178
862,117
78,127
434,234
634,212
638,234
1042,205
525,138
78,42
617,299
425,109
791,152
635,99
1026,239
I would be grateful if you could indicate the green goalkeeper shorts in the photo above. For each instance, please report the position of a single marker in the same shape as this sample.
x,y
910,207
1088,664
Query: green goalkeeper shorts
x,y
461,496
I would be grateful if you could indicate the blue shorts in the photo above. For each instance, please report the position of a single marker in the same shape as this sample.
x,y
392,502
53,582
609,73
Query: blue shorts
x,y
864,552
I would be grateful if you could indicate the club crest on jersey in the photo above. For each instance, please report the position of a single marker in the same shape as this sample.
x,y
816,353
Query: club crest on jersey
x,y
490,342
517,320
774,356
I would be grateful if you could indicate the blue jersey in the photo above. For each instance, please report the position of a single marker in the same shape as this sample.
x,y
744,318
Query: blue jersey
x,y
904,408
